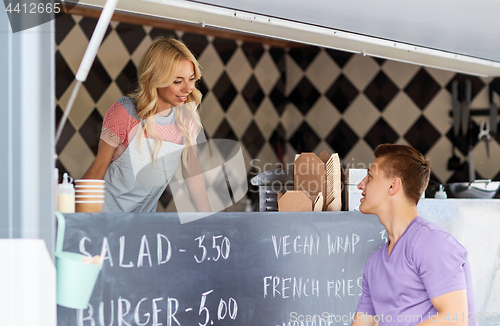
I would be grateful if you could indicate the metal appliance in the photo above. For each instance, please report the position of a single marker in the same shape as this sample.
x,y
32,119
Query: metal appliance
x,y
271,183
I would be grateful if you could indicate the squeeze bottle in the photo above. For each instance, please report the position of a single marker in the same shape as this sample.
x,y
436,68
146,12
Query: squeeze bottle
x,y
441,194
66,196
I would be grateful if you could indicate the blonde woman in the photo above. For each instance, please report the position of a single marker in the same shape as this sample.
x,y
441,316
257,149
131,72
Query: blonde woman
x,y
147,134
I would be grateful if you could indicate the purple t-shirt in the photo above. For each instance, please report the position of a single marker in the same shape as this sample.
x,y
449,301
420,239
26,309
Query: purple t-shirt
x,y
425,262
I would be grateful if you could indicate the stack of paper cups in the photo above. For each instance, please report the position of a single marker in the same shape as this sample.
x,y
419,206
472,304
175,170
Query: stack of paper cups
x,y
89,195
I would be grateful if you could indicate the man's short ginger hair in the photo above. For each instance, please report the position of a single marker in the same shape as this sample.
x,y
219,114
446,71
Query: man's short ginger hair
x,y
408,164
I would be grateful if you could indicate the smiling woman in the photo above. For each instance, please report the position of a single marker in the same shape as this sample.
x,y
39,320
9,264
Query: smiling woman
x,y
177,93
147,134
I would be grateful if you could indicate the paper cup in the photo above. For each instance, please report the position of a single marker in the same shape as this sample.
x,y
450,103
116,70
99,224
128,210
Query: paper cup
x,y
89,192
89,187
75,280
89,197
89,182
84,206
82,199
84,190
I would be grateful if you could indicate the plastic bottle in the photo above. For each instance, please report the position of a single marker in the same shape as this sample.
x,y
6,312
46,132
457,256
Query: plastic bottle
x,y
441,194
248,207
66,195
56,186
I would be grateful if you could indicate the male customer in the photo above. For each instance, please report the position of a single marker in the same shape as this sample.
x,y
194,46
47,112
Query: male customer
x,y
421,276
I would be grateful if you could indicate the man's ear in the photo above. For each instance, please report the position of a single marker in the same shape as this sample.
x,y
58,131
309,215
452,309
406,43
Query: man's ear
x,y
395,186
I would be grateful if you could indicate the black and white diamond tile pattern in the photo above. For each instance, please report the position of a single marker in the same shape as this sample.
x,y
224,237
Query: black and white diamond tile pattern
x,y
341,93
381,91
274,101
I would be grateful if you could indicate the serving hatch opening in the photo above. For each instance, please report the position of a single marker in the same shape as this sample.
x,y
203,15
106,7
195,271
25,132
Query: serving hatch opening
x,y
458,36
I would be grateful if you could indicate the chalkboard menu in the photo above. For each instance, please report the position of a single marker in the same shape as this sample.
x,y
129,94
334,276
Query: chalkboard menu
x,y
265,269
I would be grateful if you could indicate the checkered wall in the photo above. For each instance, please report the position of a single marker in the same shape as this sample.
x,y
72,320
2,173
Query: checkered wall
x,y
275,102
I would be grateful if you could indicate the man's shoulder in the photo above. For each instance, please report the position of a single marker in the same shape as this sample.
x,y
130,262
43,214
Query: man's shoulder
x,y
425,234
424,228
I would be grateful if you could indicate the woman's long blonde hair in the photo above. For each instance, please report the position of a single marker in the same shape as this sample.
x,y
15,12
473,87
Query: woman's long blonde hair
x,y
159,68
